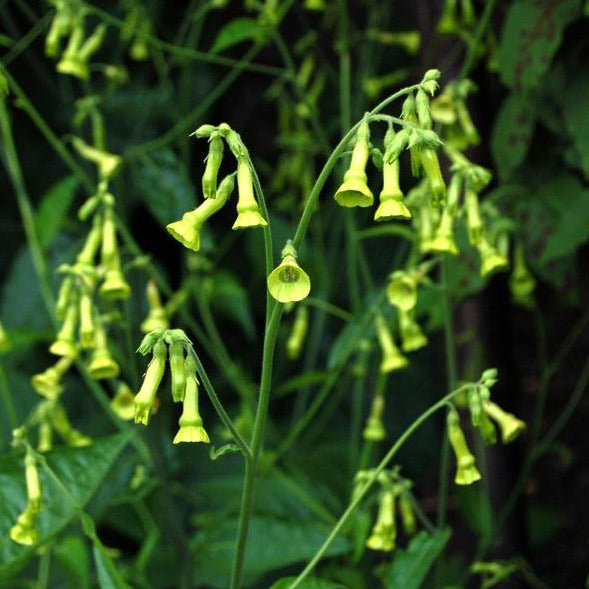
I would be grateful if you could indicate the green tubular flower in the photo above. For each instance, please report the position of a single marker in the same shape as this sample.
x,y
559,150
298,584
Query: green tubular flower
x,y
191,427
187,230
145,398
374,430
69,63
391,198
248,211
114,286
412,338
24,531
102,365
384,532
511,427
402,290
491,261
107,163
34,494
61,25
288,282
123,403
392,359
406,510
65,343
48,383
443,239
431,166
466,470
156,316
61,424
521,282
426,228
86,320
354,191
296,339
45,437
214,160
92,243
63,297
474,222
177,370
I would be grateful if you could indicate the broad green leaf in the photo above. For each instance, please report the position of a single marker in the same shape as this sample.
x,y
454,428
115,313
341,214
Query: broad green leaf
x,y
164,186
531,35
272,544
512,133
237,31
54,208
308,583
81,471
475,507
108,576
74,558
411,565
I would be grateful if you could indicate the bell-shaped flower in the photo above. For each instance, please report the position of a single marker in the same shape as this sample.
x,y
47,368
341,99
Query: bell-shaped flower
x,y
406,510
511,427
466,470
402,289
295,341
87,328
65,343
443,238
412,337
145,398
93,240
61,424
474,223
177,369
374,430
25,531
431,166
384,532
288,282
491,260
248,211
354,191
191,426
391,197
114,285
102,365
392,359
156,316
187,229
107,163
74,60
48,383
521,282
123,403
214,160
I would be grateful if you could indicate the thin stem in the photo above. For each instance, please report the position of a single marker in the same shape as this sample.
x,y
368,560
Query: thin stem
x,y
220,409
12,165
44,567
368,485
251,466
326,306
7,400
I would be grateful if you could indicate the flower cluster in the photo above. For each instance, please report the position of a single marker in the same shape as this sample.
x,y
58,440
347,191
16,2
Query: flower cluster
x,y
173,346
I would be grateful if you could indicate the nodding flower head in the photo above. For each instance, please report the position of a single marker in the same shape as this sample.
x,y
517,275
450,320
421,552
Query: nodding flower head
x,y
392,359
145,398
412,337
511,427
288,282
402,290
491,260
65,342
102,365
466,470
384,532
248,211
374,430
48,383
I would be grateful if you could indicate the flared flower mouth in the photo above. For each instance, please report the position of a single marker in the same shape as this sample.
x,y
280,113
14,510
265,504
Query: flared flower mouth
x,y
354,191
289,283
391,208
186,232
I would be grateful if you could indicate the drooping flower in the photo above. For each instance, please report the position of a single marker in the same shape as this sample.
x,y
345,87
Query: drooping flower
x,y
288,282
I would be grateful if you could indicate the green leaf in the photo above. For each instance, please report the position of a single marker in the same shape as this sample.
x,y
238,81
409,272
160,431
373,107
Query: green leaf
x,y
81,471
73,557
237,31
531,35
164,185
54,208
512,133
475,507
410,566
108,576
308,583
272,544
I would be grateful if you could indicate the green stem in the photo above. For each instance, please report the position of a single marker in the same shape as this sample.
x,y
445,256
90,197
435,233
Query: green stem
x,y
368,485
7,400
220,409
326,306
451,370
251,466
12,165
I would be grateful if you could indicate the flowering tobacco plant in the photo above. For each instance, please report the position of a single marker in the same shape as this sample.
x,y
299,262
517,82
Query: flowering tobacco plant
x,y
252,363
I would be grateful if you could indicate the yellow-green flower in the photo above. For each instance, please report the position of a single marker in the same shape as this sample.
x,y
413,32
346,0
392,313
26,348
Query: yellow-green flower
x,y
374,430
48,382
412,337
354,191
156,316
511,427
191,427
491,260
384,532
402,290
392,359
296,339
145,398
65,343
248,211
466,470
288,282
102,365
24,530
443,239
187,229
123,403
